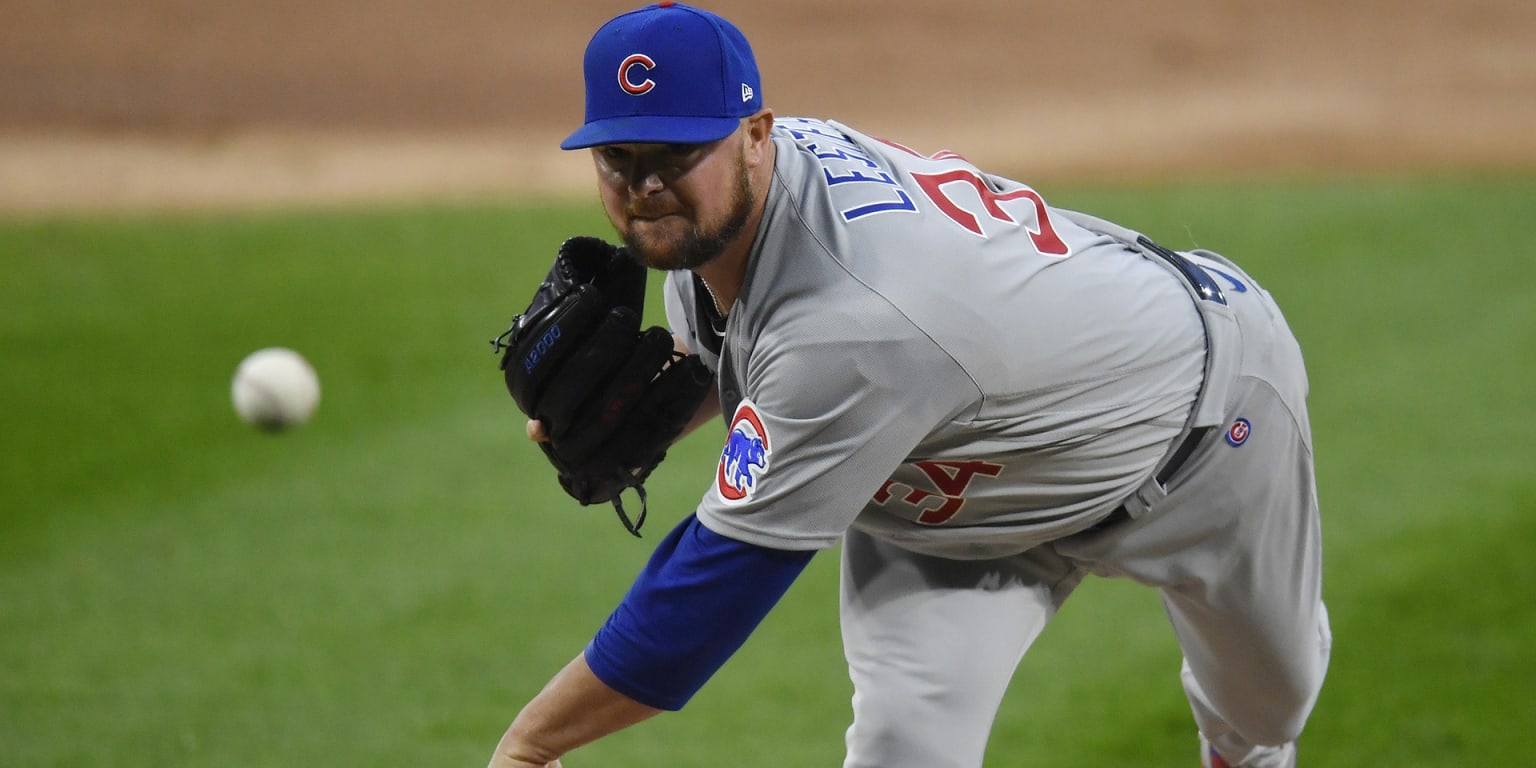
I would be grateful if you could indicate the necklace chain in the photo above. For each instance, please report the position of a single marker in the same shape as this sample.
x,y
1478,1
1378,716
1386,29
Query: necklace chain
x,y
712,297
716,323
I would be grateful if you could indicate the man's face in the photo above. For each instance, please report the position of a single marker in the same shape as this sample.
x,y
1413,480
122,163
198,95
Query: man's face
x,y
676,206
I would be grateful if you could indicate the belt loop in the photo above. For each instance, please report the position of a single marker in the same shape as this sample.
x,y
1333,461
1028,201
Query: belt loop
x,y
1142,499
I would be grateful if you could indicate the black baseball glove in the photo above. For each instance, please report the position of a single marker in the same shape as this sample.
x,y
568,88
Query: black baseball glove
x,y
612,397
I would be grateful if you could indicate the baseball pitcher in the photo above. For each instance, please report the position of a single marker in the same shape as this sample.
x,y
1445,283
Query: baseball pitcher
x,y
978,398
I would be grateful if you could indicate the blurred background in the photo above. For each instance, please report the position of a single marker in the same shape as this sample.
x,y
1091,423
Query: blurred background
x,y
377,185
194,102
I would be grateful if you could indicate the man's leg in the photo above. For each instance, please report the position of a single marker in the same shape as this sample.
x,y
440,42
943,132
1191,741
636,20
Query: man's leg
x,y
931,645
1252,623
1235,550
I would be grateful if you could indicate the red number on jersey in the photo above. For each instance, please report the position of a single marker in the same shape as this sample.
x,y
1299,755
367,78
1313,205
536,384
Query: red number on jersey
x,y
951,478
1041,232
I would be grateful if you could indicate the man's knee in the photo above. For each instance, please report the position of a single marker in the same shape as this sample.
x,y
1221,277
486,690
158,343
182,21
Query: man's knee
x,y
1271,711
913,732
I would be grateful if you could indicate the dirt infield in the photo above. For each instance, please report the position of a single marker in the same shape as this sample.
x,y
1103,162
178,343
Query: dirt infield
x,y
118,104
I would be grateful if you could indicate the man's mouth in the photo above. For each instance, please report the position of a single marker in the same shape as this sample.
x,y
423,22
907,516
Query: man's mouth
x,y
651,215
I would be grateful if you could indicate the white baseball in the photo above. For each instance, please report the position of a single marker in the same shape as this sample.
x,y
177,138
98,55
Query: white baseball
x,y
275,388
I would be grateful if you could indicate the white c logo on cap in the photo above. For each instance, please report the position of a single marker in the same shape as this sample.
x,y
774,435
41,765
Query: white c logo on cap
x,y
630,87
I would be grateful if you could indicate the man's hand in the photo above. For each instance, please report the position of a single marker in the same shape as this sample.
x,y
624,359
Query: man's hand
x,y
575,708
507,762
535,430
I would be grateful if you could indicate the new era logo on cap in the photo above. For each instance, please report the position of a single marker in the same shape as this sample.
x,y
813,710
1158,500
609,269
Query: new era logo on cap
x,y
667,73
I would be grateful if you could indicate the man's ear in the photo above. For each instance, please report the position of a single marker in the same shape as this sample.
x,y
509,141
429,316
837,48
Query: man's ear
x,y
759,129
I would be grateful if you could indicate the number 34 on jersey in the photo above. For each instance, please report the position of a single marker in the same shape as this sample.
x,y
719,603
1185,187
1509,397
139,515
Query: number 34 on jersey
x,y
949,478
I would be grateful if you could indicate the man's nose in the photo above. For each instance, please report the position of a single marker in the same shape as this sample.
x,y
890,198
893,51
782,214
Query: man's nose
x,y
646,182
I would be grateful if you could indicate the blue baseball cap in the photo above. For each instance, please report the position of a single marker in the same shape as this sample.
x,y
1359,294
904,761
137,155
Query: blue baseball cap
x,y
667,74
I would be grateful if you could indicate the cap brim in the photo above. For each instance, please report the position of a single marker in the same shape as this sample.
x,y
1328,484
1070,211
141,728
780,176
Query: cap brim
x,y
651,129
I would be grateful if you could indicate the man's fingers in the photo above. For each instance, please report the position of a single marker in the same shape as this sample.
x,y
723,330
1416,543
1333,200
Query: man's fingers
x,y
536,432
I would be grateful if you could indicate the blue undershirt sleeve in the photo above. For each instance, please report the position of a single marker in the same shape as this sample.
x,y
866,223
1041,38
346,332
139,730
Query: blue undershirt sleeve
x,y
692,606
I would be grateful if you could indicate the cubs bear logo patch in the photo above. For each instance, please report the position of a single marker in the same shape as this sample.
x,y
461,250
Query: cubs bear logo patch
x,y
745,457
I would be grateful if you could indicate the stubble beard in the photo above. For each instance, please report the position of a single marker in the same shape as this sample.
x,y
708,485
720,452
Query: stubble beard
x,y
700,244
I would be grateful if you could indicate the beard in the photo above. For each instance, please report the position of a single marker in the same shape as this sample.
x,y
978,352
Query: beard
x,y
702,242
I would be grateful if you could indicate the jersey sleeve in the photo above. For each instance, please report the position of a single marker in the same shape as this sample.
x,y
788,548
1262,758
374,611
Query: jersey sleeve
x,y
690,609
824,421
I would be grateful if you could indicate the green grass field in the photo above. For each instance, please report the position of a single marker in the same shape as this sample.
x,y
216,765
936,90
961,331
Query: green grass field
x,y
387,585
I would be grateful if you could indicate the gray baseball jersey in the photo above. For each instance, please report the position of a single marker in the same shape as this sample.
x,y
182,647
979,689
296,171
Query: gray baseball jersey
x,y
935,356
966,387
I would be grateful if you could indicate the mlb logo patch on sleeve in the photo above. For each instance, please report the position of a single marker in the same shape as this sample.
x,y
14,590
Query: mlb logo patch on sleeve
x,y
745,458
1238,433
